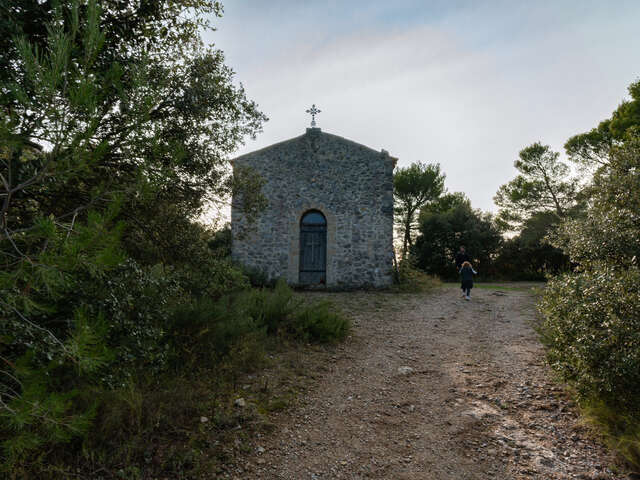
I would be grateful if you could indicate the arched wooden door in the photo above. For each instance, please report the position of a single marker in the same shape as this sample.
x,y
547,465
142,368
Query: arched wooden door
x,y
313,248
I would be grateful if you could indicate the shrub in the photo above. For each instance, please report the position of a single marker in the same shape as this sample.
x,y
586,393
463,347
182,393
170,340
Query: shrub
x,y
45,406
274,307
408,279
592,317
220,242
257,277
136,300
592,330
280,310
320,322
205,331
209,276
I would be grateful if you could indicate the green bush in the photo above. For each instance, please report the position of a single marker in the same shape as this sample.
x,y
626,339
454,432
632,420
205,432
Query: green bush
x,y
281,311
207,330
257,278
137,301
592,316
203,331
64,400
45,406
272,308
408,279
592,329
320,322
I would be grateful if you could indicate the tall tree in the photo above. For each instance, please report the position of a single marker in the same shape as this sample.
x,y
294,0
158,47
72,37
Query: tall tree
x,y
593,314
442,233
141,90
542,185
413,188
115,127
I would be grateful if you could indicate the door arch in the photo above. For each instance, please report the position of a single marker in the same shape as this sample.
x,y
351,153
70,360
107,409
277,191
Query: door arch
x,y
313,248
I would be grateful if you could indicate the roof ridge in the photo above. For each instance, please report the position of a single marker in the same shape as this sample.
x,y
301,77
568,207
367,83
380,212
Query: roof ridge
x,y
310,133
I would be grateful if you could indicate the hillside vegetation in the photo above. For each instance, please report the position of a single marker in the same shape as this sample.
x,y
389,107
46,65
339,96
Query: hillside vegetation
x,y
592,314
122,319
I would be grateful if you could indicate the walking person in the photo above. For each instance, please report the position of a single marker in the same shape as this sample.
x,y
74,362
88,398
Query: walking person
x,y
461,257
466,279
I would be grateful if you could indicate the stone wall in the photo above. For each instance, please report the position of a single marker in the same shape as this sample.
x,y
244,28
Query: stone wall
x,y
349,183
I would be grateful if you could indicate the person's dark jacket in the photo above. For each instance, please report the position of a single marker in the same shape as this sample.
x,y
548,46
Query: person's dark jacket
x,y
461,258
466,275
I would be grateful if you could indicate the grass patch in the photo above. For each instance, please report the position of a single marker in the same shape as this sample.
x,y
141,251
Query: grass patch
x,y
192,426
620,430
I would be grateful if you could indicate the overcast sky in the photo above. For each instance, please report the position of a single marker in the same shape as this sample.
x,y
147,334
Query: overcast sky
x,y
463,84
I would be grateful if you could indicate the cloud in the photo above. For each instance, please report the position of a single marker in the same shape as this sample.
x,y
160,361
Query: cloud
x,y
464,86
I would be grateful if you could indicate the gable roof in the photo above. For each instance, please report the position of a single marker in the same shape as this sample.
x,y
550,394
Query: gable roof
x,y
312,135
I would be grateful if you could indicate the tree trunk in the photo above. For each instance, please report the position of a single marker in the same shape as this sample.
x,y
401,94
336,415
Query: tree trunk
x,y
407,236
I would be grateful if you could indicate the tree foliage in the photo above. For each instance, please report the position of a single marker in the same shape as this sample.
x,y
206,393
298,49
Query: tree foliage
x,y
413,188
442,233
591,148
446,202
529,255
115,128
609,230
604,359
592,319
542,185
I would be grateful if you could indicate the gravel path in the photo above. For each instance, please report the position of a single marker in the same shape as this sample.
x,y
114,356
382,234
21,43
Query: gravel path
x,y
431,386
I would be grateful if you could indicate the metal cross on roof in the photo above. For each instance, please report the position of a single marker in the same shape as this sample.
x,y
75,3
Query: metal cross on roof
x,y
313,111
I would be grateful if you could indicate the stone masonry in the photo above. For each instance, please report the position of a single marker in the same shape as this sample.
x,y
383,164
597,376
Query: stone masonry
x,y
349,183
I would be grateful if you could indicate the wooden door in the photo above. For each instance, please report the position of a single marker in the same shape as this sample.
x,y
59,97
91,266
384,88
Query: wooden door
x,y
313,249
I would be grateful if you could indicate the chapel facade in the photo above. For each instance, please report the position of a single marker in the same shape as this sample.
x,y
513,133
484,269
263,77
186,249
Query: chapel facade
x,y
329,218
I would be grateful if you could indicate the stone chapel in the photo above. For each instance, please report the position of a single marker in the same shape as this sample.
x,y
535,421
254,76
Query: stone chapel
x,y
329,218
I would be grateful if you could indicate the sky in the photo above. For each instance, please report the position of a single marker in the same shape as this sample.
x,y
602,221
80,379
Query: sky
x,y
463,84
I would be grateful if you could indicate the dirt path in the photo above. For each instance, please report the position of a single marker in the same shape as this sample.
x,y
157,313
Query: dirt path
x,y
431,386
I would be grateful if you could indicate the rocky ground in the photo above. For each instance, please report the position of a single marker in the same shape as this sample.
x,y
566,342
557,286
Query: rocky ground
x,y
430,386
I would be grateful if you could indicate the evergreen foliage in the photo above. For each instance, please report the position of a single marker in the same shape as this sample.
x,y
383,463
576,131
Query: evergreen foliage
x,y
413,188
591,315
443,232
543,185
529,255
409,279
450,222
115,127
